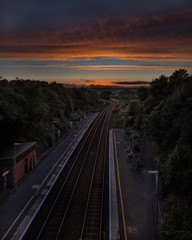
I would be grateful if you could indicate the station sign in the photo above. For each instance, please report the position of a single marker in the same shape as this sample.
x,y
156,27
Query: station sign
x,y
5,173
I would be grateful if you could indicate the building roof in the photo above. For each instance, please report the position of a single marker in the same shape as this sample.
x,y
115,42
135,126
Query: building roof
x,y
9,153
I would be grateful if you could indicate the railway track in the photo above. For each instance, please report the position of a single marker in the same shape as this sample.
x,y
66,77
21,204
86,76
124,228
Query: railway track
x,y
75,206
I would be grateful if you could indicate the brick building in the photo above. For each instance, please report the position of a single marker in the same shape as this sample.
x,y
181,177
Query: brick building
x,y
25,155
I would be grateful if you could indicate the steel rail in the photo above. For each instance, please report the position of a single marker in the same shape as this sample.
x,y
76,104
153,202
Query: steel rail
x,y
59,232
103,186
90,205
55,202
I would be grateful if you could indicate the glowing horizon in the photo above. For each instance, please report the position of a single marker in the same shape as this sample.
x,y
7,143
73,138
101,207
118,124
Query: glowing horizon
x,y
126,46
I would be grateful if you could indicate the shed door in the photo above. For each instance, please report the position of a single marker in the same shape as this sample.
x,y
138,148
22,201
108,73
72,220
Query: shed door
x,y
26,165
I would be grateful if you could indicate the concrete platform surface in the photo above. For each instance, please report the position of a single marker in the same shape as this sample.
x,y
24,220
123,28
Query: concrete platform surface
x,y
135,199
17,208
113,204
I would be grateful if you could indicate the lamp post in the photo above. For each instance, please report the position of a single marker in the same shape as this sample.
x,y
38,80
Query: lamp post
x,y
15,165
123,123
53,133
71,120
132,145
157,186
132,134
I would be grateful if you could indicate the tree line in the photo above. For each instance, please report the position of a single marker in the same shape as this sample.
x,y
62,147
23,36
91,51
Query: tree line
x,y
28,108
164,112
168,109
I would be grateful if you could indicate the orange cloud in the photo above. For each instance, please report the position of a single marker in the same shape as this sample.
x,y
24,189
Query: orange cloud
x,y
103,67
127,67
163,35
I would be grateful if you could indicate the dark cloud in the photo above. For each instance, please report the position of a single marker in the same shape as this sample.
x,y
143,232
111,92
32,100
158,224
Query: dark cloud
x,y
164,34
132,83
39,13
87,80
172,24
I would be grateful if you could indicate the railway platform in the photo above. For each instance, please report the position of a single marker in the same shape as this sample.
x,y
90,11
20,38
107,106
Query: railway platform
x,y
131,209
130,194
17,208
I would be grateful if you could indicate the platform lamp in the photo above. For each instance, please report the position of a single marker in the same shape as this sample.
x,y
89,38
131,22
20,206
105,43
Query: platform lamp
x,y
15,165
156,173
53,133
132,146
123,123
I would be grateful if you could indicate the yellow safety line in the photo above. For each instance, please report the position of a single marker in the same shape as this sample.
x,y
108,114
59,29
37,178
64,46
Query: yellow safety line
x,y
47,175
121,199
61,157
17,218
41,184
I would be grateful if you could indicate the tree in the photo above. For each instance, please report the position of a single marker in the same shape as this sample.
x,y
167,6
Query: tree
x,y
27,109
179,169
168,123
177,78
159,88
177,221
106,95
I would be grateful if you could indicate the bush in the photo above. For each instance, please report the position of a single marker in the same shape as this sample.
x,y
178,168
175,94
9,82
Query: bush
x,y
176,224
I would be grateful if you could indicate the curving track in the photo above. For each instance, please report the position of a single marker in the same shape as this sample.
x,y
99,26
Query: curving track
x,y
75,208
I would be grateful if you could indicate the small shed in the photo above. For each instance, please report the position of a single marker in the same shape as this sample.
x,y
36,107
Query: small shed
x,y
24,155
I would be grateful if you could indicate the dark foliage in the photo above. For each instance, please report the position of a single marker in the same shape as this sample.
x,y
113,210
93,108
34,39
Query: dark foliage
x,y
168,108
27,109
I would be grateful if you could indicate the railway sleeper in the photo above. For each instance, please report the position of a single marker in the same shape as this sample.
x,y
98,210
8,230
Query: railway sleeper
x,y
96,189
93,214
90,236
92,221
61,206
91,229
96,195
95,199
95,204
98,180
53,224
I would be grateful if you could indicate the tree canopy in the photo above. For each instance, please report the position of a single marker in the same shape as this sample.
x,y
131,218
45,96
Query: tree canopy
x,y
27,109
164,112
168,108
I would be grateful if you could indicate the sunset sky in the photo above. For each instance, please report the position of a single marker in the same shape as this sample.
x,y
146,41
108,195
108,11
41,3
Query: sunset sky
x,y
94,42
